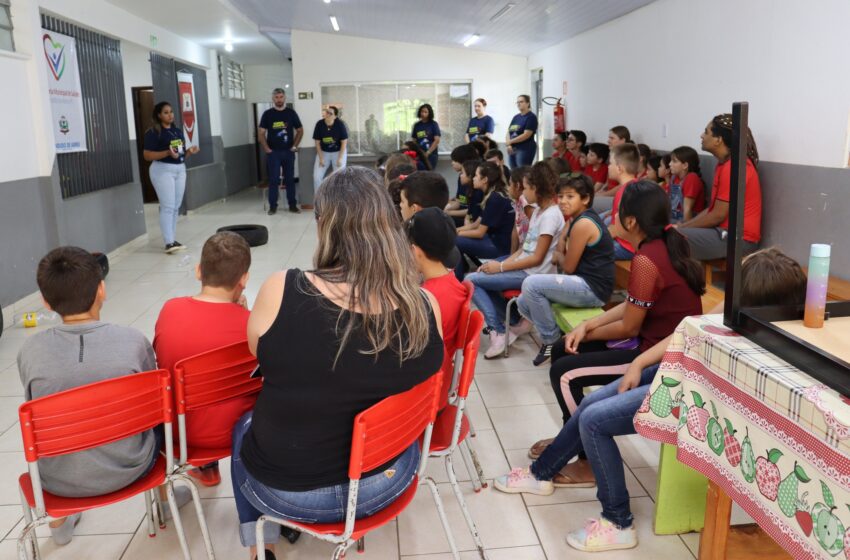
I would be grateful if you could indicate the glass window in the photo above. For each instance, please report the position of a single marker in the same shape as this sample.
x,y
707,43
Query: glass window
x,y
380,116
7,42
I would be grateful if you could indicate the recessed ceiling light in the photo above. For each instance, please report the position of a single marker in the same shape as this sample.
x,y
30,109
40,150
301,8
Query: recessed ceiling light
x,y
228,47
327,1
472,40
335,23
286,86
505,9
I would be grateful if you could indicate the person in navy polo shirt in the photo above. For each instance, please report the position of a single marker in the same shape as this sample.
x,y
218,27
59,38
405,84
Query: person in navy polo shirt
x,y
481,124
520,138
426,133
280,134
331,137
165,148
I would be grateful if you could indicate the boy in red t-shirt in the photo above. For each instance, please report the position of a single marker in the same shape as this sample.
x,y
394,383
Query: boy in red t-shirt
x,y
215,317
706,232
432,234
623,167
596,168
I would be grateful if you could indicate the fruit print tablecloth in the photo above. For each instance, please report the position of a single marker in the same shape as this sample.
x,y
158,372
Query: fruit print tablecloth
x,y
775,439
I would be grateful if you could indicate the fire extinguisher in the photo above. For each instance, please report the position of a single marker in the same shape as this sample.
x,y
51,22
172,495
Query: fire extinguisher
x,y
560,117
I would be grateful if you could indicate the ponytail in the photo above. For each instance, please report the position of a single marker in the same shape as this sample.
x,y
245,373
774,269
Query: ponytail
x,y
680,257
650,206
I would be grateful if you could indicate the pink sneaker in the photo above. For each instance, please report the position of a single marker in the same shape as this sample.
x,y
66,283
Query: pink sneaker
x,y
599,535
521,480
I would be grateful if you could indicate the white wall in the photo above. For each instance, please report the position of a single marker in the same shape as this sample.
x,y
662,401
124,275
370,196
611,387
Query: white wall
x,y
261,79
137,73
319,58
680,62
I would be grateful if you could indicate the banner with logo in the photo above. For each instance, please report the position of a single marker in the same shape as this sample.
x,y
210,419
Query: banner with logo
x,y
186,91
63,86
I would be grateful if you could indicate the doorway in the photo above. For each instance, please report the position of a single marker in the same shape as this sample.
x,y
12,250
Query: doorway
x,y
537,106
143,104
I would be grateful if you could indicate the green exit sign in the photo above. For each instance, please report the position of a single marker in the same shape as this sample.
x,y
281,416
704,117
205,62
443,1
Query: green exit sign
x,y
153,40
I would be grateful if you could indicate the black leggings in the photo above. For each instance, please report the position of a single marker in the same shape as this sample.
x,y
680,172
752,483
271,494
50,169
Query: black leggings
x,y
590,354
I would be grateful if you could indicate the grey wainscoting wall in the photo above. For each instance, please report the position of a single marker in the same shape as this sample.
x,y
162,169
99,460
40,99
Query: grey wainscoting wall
x,y
34,219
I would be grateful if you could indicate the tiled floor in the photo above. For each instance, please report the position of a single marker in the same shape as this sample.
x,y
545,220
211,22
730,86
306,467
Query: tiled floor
x,y
511,406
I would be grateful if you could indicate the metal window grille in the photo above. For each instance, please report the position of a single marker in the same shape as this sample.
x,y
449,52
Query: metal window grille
x,y
107,163
235,80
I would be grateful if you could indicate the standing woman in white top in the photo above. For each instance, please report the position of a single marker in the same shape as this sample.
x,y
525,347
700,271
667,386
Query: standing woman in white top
x,y
331,137
534,257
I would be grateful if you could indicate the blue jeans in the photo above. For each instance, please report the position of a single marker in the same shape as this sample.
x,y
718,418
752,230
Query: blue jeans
x,y
621,253
602,414
321,505
169,182
539,291
487,296
276,160
483,248
522,155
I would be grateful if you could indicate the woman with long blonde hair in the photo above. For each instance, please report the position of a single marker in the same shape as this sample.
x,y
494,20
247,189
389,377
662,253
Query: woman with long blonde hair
x,y
330,343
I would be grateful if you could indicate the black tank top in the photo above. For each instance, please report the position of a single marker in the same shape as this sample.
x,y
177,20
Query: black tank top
x,y
300,436
596,266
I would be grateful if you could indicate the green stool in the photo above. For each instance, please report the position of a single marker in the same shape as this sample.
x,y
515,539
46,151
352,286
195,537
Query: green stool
x,y
680,496
568,318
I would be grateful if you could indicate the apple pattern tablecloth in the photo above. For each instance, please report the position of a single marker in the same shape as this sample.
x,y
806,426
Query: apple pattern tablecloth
x,y
775,439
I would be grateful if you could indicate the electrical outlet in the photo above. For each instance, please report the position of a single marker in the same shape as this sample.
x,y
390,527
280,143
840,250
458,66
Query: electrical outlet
x,y
664,130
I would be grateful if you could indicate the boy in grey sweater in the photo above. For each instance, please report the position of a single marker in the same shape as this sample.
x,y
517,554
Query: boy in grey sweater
x,y
84,350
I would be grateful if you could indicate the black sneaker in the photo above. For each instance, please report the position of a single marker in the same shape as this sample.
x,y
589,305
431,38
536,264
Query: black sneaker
x,y
173,248
290,534
180,245
269,555
272,211
543,356
294,209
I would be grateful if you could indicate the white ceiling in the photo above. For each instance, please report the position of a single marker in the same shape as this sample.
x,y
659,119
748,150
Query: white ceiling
x,y
208,23
530,26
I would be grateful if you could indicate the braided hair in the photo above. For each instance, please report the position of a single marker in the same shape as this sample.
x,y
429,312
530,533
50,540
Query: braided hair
x,y
721,126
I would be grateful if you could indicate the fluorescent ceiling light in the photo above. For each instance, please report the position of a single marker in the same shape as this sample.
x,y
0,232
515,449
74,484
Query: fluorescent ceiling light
x,y
335,23
505,9
228,47
327,1
472,40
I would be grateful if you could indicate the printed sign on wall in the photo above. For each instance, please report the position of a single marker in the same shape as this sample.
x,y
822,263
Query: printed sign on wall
x,y
186,90
63,86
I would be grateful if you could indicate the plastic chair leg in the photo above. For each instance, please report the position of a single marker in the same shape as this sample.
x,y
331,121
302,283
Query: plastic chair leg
x,y
361,545
199,511
175,517
508,325
466,448
473,530
435,493
27,535
150,500
467,462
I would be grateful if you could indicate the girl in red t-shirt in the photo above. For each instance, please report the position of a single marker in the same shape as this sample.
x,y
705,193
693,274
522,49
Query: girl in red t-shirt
x,y
664,287
687,192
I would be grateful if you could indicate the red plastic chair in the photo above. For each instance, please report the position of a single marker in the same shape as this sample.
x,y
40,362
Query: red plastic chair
x,y
90,416
381,433
451,429
207,379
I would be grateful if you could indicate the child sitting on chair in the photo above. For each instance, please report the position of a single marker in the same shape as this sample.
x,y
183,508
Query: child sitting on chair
x,y
768,278
584,255
215,317
80,351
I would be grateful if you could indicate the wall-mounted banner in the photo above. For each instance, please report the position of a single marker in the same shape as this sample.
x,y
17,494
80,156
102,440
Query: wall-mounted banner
x,y
186,90
63,86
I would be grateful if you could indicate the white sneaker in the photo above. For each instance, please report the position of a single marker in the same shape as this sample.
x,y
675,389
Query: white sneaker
x,y
497,346
520,480
523,327
599,535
